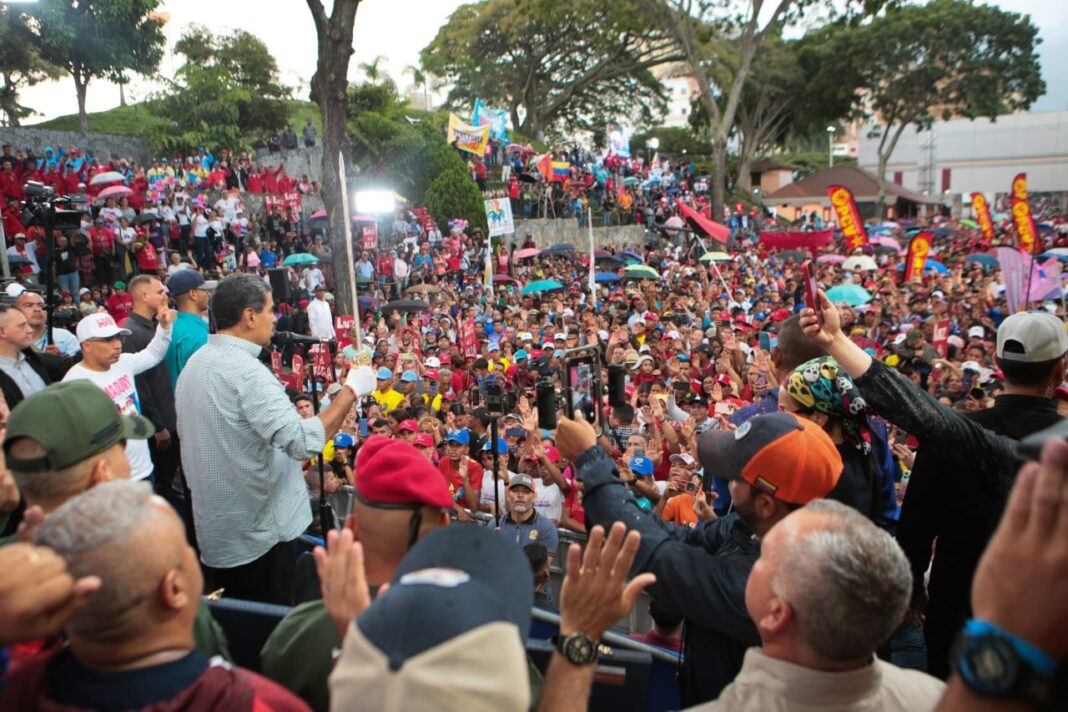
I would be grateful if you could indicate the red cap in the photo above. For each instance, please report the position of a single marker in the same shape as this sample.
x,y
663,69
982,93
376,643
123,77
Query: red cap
x,y
432,374
650,316
303,304
723,379
780,314
445,359
724,316
408,424
394,472
423,440
552,454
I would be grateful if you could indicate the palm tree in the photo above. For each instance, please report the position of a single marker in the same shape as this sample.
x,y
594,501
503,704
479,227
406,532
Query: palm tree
x,y
372,70
419,77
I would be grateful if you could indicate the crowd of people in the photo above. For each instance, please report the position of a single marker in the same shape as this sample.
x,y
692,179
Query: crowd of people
x,y
816,498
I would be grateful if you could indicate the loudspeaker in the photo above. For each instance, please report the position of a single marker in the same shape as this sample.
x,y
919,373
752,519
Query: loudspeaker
x,y
280,288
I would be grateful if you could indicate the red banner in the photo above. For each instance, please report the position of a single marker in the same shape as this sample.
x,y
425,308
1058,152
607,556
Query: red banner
x,y
343,324
796,240
981,208
916,258
1026,230
940,337
322,364
370,237
276,362
469,338
286,201
297,365
845,209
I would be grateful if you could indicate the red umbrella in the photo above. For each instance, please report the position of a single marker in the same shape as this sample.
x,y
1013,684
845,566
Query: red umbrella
x,y
503,278
702,225
524,254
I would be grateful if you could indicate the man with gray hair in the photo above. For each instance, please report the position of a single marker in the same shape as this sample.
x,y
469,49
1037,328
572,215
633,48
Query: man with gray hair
x,y
828,589
131,645
243,444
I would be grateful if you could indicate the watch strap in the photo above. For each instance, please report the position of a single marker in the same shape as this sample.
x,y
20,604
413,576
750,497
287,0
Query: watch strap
x,y
1038,660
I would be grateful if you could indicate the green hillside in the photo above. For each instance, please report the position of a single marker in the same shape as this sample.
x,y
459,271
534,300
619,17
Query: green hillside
x,y
138,120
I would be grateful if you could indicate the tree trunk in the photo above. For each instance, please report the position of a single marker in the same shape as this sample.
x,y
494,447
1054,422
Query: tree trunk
x,y
719,180
329,89
880,195
9,102
745,180
82,86
122,94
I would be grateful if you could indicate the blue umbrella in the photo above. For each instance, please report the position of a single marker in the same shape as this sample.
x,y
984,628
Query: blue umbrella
x,y
851,294
985,260
609,260
300,258
561,247
929,266
601,277
626,254
544,285
1058,256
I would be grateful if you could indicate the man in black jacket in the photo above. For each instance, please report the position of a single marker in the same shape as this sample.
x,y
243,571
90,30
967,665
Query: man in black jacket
x,y
946,501
776,463
24,371
154,385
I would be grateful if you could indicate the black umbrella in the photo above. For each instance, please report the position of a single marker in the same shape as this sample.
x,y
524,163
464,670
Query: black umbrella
x,y
609,260
145,217
406,305
527,178
795,254
561,247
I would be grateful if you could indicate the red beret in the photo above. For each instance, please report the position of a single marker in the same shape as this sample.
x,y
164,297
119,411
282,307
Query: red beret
x,y
393,472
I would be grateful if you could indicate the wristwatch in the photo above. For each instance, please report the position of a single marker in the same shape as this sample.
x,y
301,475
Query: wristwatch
x,y
994,663
578,648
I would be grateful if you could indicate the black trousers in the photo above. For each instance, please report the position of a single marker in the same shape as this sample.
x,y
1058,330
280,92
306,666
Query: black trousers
x,y
268,579
165,462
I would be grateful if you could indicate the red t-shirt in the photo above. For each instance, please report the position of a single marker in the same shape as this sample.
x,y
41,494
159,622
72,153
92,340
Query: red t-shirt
x,y
119,306
452,475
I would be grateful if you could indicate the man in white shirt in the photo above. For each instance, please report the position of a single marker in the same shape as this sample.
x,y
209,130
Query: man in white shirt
x,y
401,270
33,306
313,278
24,251
320,320
104,364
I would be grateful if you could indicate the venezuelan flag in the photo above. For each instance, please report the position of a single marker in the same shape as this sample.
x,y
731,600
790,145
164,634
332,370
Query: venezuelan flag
x,y
561,170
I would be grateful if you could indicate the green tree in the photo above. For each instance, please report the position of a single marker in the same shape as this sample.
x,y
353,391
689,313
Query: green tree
x,y
228,87
577,64
453,195
21,64
93,39
915,64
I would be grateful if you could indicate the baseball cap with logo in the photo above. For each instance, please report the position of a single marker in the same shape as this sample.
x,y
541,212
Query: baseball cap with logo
x,y
408,424
1032,337
522,481
460,437
72,421
403,654
790,458
99,326
641,466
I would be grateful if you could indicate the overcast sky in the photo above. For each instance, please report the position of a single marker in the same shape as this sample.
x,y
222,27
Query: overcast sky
x,y
398,29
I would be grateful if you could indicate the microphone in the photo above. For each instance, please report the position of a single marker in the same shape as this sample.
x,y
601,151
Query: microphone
x,y
288,337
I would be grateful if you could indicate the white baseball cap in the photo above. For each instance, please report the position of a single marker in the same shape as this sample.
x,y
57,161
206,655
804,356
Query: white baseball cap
x,y
432,362
976,331
98,326
1034,337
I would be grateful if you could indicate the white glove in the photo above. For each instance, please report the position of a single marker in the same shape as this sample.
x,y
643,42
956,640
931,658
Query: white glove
x,y
361,381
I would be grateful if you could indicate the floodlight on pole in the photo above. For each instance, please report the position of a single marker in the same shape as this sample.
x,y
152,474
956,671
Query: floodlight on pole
x,y
374,201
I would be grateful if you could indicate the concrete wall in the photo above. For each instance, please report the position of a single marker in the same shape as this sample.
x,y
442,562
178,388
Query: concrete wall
x,y
550,232
302,161
100,145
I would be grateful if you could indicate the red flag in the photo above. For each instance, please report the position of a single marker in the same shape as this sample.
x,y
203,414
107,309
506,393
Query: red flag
x,y
1026,230
981,208
916,258
701,224
845,209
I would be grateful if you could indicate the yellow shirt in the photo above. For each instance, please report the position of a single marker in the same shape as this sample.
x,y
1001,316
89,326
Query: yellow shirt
x,y
388,400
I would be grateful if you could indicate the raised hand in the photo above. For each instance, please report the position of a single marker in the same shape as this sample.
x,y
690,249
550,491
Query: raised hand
x,y
342,577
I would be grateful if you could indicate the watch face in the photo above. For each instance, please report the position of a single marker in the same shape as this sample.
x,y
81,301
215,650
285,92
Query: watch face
x,y
579,649
993,665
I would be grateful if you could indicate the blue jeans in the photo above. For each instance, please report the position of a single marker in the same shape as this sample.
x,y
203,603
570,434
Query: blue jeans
x,y
70,283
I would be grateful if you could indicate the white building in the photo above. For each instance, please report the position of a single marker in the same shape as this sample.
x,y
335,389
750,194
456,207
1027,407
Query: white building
x,y
958,157
681,89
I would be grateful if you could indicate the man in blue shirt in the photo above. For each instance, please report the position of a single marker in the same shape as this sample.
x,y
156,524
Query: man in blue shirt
x,y
190,330
522,523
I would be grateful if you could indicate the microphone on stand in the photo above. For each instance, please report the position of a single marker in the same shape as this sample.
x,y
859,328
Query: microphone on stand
x,y
282,338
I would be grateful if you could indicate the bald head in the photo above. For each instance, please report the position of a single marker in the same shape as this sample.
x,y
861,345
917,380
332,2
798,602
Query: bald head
x,y
794,348
386,535
136,544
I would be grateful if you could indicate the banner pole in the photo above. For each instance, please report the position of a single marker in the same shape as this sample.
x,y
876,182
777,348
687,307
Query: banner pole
x,y
1030,274
593,261
348,249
